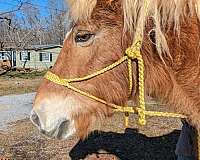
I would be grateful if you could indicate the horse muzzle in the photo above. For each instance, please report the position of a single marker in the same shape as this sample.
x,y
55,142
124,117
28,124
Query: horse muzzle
x,y
58,128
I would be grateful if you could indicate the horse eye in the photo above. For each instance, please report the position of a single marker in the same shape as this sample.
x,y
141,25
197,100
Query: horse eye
x,y
83,37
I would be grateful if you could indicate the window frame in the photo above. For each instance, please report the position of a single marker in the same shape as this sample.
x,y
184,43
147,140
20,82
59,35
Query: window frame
x,y
28,56
41,58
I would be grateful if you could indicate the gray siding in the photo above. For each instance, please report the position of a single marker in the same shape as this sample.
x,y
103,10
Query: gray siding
x,y
35,62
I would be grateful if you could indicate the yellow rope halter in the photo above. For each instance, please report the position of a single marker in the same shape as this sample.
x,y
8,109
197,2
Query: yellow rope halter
x,y
131,53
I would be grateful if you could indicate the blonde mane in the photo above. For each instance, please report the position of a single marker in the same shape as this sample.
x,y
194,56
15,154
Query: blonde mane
x,y
163,12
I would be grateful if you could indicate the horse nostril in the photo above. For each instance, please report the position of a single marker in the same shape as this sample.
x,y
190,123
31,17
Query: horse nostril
x,y
63,129
35,119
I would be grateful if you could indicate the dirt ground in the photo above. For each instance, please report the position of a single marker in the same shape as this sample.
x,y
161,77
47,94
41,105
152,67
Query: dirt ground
x,y
155,141
17,83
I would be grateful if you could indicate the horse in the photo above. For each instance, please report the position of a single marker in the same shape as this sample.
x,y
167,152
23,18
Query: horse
x,y
100,32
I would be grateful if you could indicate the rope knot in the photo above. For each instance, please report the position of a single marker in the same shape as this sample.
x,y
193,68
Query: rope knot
x,y
134,52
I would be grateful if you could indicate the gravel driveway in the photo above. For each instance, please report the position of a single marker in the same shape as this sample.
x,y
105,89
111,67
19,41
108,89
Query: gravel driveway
x,y
14,107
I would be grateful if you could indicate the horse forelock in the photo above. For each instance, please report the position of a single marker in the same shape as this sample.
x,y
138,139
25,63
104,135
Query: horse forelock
x,y
164,13
81,9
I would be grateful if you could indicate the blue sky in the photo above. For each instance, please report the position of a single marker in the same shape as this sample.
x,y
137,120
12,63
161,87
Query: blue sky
x,y
8,5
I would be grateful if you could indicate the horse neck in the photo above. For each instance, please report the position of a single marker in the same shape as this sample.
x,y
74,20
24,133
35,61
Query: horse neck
x,y
184,50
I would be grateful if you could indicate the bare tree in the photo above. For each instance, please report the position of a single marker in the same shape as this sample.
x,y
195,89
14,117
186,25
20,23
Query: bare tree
x,y
25,26
32,27
18,7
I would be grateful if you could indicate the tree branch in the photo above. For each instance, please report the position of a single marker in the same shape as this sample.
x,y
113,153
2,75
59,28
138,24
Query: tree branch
x,y
18,8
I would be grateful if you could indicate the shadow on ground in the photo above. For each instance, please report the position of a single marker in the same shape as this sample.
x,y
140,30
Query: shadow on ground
x,y
130,145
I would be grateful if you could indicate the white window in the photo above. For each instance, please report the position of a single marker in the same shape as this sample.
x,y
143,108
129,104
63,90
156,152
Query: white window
x,y
2,56
25,56
45,57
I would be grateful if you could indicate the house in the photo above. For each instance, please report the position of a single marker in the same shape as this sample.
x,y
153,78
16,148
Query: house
x,y
38,56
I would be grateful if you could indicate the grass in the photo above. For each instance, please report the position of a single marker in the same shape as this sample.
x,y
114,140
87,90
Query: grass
x,y
14,82
24,75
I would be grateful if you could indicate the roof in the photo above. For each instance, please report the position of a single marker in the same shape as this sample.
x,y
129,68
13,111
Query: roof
x,y
42,47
